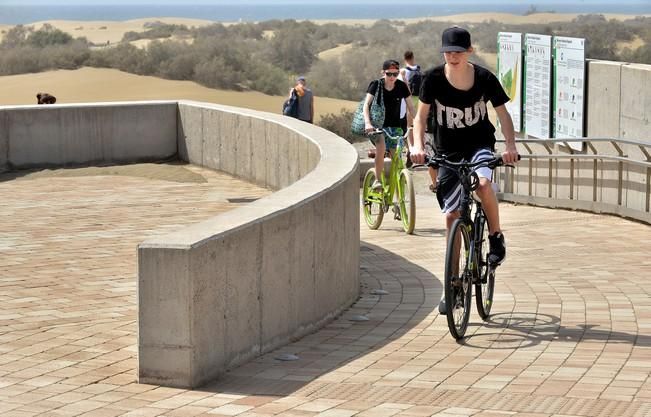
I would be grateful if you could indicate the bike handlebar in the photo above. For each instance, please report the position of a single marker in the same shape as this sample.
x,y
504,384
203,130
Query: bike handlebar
x,y
384,131
492,163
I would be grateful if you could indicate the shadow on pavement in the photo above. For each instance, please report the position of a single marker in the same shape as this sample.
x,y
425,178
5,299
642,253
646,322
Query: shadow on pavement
x,y
413,295
521,329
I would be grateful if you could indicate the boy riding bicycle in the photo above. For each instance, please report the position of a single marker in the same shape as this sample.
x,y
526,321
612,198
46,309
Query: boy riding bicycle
x,y
458,92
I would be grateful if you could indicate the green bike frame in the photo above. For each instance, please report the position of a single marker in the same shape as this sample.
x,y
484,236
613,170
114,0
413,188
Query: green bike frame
x,y
398,184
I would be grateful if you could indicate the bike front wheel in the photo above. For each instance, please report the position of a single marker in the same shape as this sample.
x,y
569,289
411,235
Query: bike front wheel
x,y
407,201
458,279
484,289
372,201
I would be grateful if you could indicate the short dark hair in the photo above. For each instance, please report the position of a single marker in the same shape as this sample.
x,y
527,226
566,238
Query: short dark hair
x,y
389,63
409,55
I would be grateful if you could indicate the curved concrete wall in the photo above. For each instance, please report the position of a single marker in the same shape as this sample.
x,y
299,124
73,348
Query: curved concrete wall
x,y
225,290
72,134
228,289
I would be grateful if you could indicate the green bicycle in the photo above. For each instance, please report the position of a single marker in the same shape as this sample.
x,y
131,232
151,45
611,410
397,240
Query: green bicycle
x,y
397,191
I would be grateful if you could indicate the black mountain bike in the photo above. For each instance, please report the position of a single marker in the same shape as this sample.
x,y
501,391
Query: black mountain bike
x,y
466,258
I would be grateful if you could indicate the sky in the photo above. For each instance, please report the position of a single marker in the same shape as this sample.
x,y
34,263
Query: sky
x,y
537,3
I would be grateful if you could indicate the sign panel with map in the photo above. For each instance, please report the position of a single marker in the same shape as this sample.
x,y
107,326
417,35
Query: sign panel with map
x,y
537,85
569,88
509,72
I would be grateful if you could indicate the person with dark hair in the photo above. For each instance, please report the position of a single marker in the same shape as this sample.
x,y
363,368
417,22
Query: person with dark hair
x,y
411,73
457,94
412,76
393,92
305,100
45,98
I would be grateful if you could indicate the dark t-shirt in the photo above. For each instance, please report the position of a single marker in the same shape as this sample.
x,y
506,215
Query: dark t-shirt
x,y
460,118
391,101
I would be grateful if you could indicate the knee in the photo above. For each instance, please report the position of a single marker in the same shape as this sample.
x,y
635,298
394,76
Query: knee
x,y
451,217
485,187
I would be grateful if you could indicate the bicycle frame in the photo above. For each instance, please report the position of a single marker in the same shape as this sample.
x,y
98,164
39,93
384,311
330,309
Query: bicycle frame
x,y
466,265
390,185
474,226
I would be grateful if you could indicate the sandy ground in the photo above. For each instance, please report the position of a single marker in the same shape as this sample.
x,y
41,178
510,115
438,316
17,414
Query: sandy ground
x,y
144,43
481,17
635,43
95,84
334,53
101,32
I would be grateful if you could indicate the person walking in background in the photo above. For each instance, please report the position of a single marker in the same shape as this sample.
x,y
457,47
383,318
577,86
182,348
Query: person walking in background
x,y
394,91
305,100
411,75
457,94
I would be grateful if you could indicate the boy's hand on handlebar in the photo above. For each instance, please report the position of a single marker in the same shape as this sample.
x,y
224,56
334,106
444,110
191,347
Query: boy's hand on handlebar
x,y
417,155
510,155
368,127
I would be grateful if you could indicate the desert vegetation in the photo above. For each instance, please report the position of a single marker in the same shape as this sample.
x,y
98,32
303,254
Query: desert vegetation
x,y
266,56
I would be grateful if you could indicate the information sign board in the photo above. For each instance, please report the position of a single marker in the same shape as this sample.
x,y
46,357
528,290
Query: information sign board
x,y
537,85
509,72
569,87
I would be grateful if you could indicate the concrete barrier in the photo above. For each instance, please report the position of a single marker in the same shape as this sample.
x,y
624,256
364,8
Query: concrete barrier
x,y
76,134
225,290
228,289
619,100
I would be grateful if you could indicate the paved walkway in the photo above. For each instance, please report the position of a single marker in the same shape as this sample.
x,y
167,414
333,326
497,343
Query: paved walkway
x,y
570,334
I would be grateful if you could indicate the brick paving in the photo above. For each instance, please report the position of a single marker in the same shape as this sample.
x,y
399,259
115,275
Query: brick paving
x,y
570,333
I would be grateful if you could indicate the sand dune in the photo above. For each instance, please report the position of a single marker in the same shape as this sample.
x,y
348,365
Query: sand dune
x,y
334,53
482,17
102,32
99,84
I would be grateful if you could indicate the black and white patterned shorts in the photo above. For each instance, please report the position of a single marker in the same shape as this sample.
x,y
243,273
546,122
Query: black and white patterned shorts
x,y
448,190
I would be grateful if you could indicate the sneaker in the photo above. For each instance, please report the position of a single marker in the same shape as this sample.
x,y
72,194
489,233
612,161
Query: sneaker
x,y
377,186
442,307
497,251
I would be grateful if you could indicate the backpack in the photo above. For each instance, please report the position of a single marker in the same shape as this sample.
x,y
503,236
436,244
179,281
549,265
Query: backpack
x,y
414,79
290,106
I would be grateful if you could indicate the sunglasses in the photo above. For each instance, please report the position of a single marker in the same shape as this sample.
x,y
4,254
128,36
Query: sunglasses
x,y
392,74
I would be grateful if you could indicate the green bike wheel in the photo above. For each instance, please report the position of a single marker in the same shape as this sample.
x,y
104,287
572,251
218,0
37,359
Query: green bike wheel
x,y
372,203
407,201
458,281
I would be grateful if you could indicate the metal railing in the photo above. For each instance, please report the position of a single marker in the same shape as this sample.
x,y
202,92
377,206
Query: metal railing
x,y
606,176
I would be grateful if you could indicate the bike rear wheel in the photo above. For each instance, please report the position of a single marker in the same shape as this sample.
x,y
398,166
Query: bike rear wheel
x,y
372,203
484,289
458,285
407,201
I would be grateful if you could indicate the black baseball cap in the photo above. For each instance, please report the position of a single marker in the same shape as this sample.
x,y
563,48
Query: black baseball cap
x,y
455,39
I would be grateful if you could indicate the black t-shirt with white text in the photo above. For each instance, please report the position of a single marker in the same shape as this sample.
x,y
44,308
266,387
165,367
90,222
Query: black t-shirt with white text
x,y
391,101
460,118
